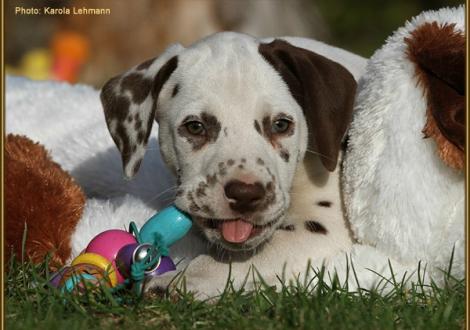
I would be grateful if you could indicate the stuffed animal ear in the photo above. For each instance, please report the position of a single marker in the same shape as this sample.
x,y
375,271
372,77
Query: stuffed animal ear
x,y
325,91
130,101
438,53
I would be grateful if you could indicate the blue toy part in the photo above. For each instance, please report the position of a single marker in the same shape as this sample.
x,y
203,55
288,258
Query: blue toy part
x,y
73,281
170,224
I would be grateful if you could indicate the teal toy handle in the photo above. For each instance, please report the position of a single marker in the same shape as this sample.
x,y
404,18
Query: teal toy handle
x,y
170,224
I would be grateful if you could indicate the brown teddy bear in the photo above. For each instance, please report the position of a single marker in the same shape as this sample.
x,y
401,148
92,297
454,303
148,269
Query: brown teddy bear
x,y
41,200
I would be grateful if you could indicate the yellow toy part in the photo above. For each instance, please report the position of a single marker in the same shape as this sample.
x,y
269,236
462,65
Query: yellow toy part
x,y
100,262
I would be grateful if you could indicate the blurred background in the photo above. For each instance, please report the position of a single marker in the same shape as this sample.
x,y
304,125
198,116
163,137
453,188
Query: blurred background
x,y
90,49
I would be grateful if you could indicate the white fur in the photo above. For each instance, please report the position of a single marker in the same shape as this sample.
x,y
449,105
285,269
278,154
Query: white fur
x,y
400,197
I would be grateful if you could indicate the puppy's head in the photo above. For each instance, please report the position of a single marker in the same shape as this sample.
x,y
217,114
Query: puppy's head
x,y
235,118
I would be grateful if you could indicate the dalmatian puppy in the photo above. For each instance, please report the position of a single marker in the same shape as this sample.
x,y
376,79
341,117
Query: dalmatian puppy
x,y
252,130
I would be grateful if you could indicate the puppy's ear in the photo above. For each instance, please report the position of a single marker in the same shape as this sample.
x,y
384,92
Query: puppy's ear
x,y
324,89
130,102
438,54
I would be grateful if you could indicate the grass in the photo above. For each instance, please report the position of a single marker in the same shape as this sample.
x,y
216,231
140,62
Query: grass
x,y
30,304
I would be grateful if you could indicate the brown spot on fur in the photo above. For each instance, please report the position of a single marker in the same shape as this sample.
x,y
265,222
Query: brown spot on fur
x,y
270,186
270,199
230,162
175,90
140,137
324,203
284,155
206,209
161,78
438,52
211,179
267,130
222,169
243,160
179,192
240,166
40,194
136,166
258,127
259,161
178,177
124,143
138,85
212,126
145,65
201,189
193,207
315,227
117,108
287,227
138,125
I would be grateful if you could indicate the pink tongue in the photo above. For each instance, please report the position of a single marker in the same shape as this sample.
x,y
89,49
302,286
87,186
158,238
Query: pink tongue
x,y
236,231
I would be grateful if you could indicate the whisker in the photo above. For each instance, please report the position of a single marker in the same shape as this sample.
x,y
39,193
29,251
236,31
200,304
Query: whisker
x,y
319,154
166,191
171,189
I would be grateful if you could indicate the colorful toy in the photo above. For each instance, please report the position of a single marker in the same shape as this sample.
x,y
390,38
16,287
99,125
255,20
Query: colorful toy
x,y
117,258
63,60
70,51
107,244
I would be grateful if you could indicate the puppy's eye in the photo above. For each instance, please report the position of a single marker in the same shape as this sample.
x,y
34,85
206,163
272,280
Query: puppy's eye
x,y
195,127
280,126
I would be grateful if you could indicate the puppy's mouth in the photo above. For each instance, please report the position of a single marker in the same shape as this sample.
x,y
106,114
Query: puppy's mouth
x,y
236,231
236,234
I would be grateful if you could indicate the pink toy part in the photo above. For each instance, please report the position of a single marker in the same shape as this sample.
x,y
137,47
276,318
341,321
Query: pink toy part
x,y
108,244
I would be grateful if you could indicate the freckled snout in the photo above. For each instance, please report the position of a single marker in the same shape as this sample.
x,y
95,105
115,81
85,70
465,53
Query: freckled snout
x,y
244,197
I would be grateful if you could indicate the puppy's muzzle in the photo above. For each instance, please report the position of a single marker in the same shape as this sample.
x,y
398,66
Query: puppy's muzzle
x,y
244,197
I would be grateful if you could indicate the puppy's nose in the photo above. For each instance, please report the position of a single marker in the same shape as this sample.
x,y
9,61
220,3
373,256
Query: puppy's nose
x,y
247,197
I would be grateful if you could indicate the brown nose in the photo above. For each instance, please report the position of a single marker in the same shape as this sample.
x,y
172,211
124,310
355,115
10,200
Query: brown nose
x,y
247,197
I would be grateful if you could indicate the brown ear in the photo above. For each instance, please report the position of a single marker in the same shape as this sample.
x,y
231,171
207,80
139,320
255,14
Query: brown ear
x,y
129,102
325,91
438,52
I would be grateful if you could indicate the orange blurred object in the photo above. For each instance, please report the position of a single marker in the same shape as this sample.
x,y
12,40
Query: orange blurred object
x,y
70,51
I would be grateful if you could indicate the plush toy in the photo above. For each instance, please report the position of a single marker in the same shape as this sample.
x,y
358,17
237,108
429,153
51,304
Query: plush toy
x,y
404,166
42,201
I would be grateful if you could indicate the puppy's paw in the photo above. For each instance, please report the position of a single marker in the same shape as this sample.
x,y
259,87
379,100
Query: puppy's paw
x,y
163,285
203,277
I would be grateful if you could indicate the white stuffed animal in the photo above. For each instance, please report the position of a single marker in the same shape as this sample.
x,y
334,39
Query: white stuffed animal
x,y
403,170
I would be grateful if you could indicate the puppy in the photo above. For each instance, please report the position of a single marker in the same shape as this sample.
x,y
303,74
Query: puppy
x,y
237,116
